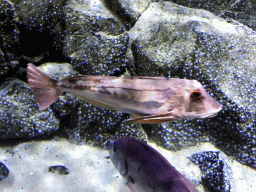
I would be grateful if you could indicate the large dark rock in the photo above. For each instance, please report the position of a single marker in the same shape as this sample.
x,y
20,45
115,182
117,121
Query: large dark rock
x,y
216,172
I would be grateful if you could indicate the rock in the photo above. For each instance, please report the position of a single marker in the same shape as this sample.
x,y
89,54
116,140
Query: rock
x,y
9,37
127,12
62,170
95,42
231,11
4,171
20,117
216,173
41,30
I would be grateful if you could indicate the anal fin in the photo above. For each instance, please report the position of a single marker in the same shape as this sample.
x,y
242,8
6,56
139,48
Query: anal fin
x,y
152,119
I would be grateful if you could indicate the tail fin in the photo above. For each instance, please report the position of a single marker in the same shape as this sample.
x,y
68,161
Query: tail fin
x,y
43,86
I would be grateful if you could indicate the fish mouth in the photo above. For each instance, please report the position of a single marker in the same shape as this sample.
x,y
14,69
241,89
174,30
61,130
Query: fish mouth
x,y
209,114
111,145
212,113
111,151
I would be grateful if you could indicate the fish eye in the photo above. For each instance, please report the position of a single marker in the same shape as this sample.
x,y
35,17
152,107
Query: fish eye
x,y
196,95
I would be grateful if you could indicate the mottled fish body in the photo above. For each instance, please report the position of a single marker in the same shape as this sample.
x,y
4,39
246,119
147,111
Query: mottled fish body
x,y
145,169
149,99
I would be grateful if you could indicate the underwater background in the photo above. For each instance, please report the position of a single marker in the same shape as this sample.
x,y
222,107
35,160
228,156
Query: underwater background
x,y
65,147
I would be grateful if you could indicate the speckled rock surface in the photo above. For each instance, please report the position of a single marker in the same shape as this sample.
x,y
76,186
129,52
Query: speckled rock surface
x,y
9,37
216,172
41,30
215,46
20,117
95,42
242,11
127,12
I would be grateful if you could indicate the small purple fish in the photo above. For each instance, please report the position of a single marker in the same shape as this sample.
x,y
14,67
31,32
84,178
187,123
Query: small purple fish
x,y
148,99
145,169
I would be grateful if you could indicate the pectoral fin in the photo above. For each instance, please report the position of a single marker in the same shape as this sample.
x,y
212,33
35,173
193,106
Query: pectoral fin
x,y
159,118
152,121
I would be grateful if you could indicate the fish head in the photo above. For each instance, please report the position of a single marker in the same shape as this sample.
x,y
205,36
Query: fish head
x,y
127,156
117,156
198,103
146,169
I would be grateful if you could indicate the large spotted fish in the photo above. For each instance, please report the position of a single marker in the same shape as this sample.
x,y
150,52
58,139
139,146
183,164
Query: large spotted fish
x,y
148,99
145,169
